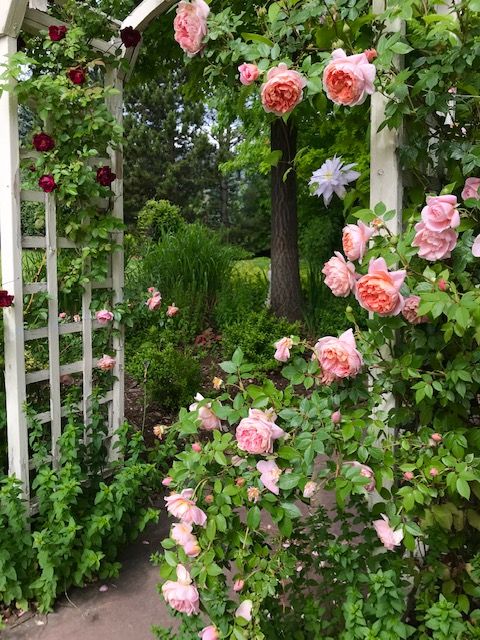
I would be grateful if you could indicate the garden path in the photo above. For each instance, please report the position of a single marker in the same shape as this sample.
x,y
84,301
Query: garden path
x,y
126,611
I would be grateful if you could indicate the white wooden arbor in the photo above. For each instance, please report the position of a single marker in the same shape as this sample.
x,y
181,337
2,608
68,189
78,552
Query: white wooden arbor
x,y
31,16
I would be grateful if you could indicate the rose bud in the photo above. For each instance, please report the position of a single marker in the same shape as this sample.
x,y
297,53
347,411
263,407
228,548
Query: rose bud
x,y
434,472
209,499
336,417
408,475
240,482
197,447
130,37
238,585
436,437
442,284
77,75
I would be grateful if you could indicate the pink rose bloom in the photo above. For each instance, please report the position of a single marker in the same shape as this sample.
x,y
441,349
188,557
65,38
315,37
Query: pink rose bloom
x,y
408,475
434,472
167,481
339,276
256,433
248,73
62,315
283,90
436,437
388,537
355,239
365,472
190,25
338,357
310,489
410,311
172,310
336,417
283,346
238,585
442,284
182,595
182,534
209,420
270,475
441,213
104,316
379,290
184,508
107,363
245,610
197,447
476,247
470,190
154,302
209,633
434,245
348,80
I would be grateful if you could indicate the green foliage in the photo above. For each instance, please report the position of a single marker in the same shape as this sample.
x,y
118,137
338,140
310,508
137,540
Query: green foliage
x,y
170,377
255,334
159,217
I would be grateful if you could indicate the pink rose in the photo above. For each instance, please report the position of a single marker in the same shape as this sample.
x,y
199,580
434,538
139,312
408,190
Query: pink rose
x,y
355,239
62,315
283,90
365,472
441,213
238,585
410,311
338,357
388,537
172,310
245,610
209,633
348,80
253,494
408,475
77,318
470,190
104,316
434,472
339,276
434,245
476,247
336,417
154,302
270,475
379,290
184,508
190,25
167,481
107,363
442,284
248,73
283,346
310,489
197,447
182,595
182,534
256,433
208,419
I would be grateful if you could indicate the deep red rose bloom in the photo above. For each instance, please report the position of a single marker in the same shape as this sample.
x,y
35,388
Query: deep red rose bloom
x,y
77,75
47,183
130,36
43,142
6,300
57,33
105,176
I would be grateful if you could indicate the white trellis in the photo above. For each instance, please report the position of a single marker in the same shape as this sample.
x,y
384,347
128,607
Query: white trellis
x,y
16,15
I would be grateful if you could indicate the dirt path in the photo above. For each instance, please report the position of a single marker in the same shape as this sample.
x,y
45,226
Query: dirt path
x,y
125,612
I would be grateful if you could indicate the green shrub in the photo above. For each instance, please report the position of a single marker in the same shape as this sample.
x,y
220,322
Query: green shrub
x,y
256,334
241,294
172,378
159,217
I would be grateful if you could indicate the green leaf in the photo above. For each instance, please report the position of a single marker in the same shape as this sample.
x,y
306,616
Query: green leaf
x,y
253,517
255,37
288,481
228,367
288,453
463,488
291,510
401,48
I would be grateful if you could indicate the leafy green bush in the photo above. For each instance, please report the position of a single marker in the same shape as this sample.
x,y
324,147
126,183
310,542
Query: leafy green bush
x,y
240,295
159,217
189,268
171,377
255,334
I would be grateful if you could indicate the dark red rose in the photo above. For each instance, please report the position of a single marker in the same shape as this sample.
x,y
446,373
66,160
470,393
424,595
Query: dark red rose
x,y
43,142
105,176
57,33
77,75
6,300
130,36
47,183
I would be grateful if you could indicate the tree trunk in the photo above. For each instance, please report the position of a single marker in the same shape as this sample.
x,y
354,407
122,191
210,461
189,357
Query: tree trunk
x,y
286,292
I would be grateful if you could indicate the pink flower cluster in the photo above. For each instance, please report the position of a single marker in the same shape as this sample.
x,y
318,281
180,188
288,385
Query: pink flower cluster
x,y
338,357
181,594
435,237
190,25
208,419
154,301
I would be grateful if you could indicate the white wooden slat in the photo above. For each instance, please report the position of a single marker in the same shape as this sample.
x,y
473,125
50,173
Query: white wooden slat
x,y
11,261
87,351
28,195
106,284
11,16
45,417
145,12
34,287
53,331
115,104
44,374
34,242
35,334
63,330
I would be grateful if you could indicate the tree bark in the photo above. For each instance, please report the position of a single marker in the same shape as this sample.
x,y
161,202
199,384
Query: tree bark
x,y
286,292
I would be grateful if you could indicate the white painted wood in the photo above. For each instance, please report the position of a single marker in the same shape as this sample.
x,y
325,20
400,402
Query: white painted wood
x,y
146,11
53,331
87,351
34,287
115,104
11,259
32,196
41,5
11,16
